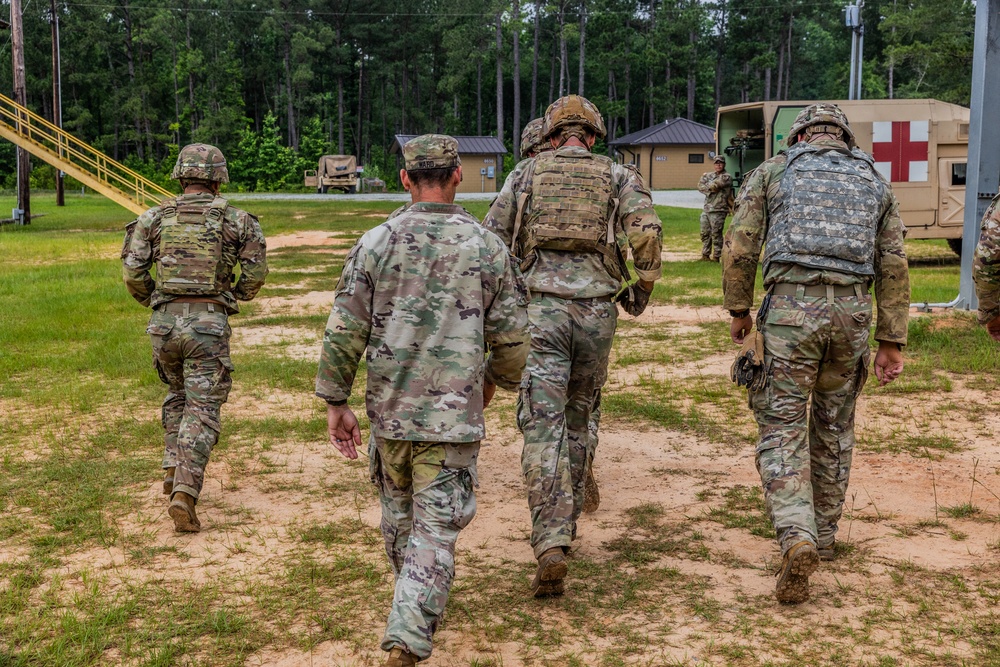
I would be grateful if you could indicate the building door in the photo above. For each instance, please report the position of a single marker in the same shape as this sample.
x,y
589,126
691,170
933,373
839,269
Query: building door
x,y
951,191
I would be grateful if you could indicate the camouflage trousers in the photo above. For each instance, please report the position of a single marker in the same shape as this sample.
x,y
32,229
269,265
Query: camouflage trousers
x,y
191,355
427,492
814,348
558,409
711,233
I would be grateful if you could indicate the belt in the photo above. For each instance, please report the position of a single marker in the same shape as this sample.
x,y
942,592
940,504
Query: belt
x,y
829,291
185,307
607,298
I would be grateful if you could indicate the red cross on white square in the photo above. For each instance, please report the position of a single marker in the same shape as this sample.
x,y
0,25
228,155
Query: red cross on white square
x,y
900,149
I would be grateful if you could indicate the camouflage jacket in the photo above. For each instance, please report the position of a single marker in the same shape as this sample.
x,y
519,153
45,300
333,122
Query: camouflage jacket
x,y
427,293
583,275
242,243
716,188
748,230
986,266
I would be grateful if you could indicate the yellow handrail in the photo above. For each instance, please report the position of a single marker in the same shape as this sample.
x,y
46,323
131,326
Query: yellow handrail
x,y
78,159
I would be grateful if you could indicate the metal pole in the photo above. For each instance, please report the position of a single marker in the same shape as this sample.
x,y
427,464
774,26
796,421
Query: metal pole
x,y
861,53
57,98
854,56
983,170
23,157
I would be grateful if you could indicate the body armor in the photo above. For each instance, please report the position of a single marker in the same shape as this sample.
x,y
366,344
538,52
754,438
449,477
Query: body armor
x,y
826,211
572,209
191,262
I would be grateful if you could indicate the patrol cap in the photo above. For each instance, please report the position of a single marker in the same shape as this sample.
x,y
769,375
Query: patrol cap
x,y
430,151
720,158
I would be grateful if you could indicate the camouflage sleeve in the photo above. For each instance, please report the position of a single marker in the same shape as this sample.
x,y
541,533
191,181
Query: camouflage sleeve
x,y
892,277
253,260
725,180
640,223
986,265
347,328
506,327
503,212
703,184
744,239
137,256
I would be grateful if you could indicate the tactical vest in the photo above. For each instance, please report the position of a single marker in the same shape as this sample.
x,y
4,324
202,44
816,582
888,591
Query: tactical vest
x,y
826,212
190,261
572,209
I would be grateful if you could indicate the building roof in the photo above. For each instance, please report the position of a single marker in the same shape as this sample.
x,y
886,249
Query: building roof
x,y
675,131
466,145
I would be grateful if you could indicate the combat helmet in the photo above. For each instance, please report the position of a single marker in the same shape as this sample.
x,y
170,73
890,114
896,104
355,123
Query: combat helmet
x,y
531,138
573,110
201,161
824,113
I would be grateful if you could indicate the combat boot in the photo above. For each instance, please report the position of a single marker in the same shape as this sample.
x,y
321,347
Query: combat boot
x,y
551,572
706,258
168,481
827,553
591,494
399,657
793,579
181,510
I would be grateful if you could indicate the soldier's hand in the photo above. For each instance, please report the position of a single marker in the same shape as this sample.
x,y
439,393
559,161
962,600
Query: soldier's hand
x,y
488,390
888,363
739,328
993,328
635,298
342,425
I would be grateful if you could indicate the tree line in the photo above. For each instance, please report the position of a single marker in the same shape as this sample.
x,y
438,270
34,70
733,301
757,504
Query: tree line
x,y
276,83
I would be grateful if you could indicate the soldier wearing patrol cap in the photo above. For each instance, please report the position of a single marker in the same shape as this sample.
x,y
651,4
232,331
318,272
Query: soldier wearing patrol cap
x,y
195,241
570,215
830,229
717,186
428,293
532,142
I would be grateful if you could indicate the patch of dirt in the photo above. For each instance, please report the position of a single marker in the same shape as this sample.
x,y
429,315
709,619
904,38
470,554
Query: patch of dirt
x,y
313,303
678,315
668,256
308,238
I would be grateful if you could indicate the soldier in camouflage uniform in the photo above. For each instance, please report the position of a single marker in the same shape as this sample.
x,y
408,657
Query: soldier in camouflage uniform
x,y
986,270
532,142
194,241
717,186
428,293
569,215
830,227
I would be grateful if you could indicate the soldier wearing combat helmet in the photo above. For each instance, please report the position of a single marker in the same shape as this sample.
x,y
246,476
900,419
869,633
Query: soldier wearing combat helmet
x,y
427,293
830,229
532,142
570,215
194,241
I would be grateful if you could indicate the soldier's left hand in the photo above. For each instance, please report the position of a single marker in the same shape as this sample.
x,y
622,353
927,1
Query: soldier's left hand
x,y
345,433
489,389
993,328
888,363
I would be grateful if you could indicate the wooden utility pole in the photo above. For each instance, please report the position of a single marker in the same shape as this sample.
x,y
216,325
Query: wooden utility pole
x,y
57,96
23,158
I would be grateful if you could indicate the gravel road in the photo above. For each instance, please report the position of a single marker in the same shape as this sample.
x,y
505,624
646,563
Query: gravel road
x,y
678,198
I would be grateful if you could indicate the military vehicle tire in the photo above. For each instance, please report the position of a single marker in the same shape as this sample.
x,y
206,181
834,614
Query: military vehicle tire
x,y
322,189
353,190
956,246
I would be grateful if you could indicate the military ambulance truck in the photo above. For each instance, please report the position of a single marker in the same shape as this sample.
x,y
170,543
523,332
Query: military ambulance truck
x,y
920,146
339,172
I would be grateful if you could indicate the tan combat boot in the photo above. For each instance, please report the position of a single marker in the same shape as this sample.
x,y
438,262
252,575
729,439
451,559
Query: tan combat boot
x,y
181,510
591,494
399,657
793,579
551,572
168,481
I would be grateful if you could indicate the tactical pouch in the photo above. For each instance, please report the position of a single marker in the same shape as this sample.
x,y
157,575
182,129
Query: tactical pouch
x,y
190,261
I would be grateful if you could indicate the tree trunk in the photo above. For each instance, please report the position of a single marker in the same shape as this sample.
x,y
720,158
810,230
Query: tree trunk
x,y
516,130
628,88
479,98
404,97
499,79
692,82
187,44
340,98
293,139
781,67
767,84
612,118
552,70
562,48
535,112
788,58
720,51
130,61
358,143
583,41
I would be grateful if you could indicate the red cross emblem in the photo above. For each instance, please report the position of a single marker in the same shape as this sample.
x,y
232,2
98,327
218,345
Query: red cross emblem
x,y
900,149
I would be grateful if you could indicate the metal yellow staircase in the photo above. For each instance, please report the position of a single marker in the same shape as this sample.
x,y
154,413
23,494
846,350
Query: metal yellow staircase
x,y
83,162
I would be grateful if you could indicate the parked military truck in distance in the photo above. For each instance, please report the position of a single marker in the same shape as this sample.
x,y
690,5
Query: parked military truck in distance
x,y
339,172
920,146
